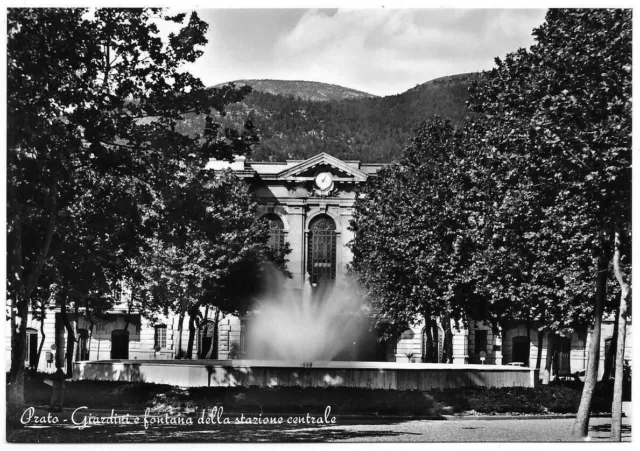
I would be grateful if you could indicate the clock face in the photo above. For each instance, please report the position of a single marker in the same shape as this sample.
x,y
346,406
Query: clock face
x,y
324,180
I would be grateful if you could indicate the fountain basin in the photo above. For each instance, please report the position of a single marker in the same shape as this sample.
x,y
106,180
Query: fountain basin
x,y
269,373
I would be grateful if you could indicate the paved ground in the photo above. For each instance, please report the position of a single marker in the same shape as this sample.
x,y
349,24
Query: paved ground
x,y
529,430
345,429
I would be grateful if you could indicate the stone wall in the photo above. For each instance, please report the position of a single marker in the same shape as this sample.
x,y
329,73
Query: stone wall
x,y
373,375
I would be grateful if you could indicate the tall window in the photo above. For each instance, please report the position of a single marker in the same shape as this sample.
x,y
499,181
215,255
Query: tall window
x,y
276,231
205,339
563,356
32,348
243,338
321,264
83,342
160,339
607,347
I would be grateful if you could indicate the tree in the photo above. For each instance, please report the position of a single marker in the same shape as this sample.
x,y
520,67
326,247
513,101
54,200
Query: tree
x,y
413,225
569,97
524,270
210,251
101,226
96,91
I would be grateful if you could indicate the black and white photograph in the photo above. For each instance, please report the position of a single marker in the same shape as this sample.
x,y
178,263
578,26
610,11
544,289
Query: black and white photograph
x,y
247,223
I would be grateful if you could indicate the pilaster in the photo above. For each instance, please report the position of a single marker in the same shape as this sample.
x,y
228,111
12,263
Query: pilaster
x,y
461,346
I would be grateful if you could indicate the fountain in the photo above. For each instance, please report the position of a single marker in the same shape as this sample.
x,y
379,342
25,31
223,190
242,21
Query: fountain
x,y
307,338
319,323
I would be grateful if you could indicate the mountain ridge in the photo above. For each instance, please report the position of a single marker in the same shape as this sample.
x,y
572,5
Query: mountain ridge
x,y
302,89
369,129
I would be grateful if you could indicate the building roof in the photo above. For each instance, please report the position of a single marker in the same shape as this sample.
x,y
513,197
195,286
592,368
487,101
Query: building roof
x,y
290,168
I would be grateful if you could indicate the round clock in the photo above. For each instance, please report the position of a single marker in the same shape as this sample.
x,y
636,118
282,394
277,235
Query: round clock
x,y
324,180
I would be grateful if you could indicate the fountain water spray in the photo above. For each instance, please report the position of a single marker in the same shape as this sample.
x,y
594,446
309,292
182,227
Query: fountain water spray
x,y
313,324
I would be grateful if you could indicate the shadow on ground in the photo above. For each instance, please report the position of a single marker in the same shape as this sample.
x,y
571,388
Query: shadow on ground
x,y
626,429
229,433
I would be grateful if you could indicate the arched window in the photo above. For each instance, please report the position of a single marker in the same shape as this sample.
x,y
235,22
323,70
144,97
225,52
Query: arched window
x,y
205,339
437,354
276,231
321,264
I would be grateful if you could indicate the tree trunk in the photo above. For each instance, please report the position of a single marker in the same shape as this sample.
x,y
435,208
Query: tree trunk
x,y
581,425
19,313
540,330
59,341
616,407
180,351
89,338
192,334
204,324
528,363
43,315
611,352
99,341
503,337
437,338
540,344
551,347
429,348
89,317
212,353
127,319
448,339
71,337
428,352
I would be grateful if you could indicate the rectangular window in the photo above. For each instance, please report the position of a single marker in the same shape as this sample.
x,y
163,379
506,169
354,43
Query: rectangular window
x,y
160,340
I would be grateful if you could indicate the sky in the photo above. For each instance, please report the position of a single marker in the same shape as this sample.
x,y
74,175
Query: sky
x,y
379,51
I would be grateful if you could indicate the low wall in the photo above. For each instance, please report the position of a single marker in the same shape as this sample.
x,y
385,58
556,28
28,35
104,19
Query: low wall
x,y
232,373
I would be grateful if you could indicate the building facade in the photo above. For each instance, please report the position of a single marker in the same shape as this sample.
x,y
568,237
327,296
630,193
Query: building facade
x,y
309,205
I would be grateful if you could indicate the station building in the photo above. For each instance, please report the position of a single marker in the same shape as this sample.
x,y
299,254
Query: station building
x,y
309,205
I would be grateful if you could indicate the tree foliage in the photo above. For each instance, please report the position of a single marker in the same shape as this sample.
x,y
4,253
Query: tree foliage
x,y
93,101
210,249
542,175
565,106
414,226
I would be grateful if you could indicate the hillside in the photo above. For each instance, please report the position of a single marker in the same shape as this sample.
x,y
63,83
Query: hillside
x,y
305,90
371,129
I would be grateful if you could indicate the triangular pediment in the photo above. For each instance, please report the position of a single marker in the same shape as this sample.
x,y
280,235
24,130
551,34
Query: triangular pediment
x,y
325,162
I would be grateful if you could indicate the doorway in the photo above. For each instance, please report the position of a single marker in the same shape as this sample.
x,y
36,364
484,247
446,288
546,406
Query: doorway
x,y
120,344
520,350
